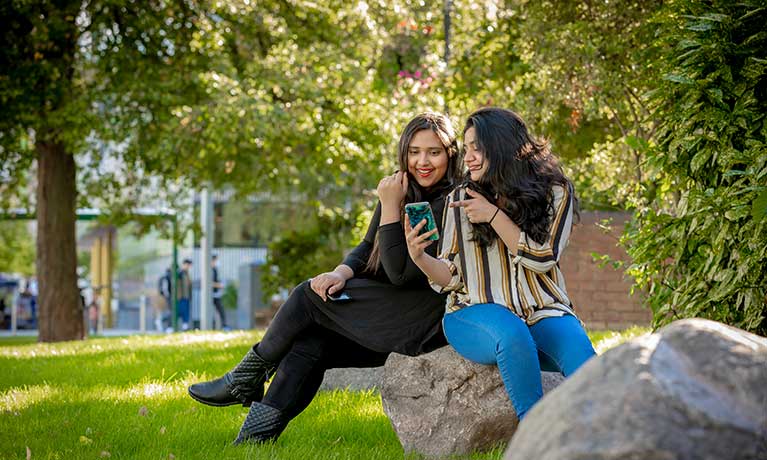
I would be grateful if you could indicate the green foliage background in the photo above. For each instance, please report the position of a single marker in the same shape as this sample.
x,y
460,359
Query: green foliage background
x,y
701,245
655,106
17,250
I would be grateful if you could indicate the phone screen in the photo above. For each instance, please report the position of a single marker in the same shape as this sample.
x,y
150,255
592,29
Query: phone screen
x,y
419,211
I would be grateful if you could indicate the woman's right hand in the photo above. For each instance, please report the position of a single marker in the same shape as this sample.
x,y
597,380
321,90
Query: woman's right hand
x,y
417,244
392,189
327,283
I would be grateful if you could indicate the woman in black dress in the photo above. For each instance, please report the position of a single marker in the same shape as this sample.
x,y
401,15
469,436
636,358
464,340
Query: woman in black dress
x,y
390,306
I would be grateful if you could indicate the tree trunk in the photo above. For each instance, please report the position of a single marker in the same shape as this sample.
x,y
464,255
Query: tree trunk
x,y
59,306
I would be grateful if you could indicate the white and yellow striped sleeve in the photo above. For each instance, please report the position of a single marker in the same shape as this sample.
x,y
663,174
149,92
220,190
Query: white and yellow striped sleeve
x,y
542,257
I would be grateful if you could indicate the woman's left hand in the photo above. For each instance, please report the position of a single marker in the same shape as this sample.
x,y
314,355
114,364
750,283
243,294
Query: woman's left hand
x,y
477,209
393,189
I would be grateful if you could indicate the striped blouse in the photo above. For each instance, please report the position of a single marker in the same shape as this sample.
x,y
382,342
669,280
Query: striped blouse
x,y
530,284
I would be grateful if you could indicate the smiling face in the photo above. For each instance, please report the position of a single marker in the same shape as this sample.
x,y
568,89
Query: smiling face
x,y
426,158
473,157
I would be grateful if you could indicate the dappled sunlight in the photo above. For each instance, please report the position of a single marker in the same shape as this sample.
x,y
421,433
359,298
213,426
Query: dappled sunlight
x,y
365,404
154,391
614,339
133,343
18,399
371,409
118,399
213,336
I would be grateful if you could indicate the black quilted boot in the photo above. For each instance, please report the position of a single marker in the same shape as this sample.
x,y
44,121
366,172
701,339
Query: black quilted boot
x,y
242,385
263,423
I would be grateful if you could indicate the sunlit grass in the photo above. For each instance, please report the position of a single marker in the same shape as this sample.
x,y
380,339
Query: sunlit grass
x,y
604,340
126,398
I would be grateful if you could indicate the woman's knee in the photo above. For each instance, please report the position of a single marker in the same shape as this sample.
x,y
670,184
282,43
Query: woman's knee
x,y
564,341
515,341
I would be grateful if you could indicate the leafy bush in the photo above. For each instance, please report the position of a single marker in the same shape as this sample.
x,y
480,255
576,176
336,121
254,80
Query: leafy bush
x,y
315,247
229,298
700,246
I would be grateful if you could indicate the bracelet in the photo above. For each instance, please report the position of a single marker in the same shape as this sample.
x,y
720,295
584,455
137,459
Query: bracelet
x,y
490,222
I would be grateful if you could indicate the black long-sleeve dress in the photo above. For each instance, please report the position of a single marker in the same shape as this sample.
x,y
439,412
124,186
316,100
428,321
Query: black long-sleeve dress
x,y
393,309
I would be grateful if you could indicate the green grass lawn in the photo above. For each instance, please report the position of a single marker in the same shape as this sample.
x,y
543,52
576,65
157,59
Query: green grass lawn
x,y
126,398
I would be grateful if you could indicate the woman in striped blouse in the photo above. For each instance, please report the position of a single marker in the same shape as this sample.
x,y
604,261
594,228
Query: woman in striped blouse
x,y
499,258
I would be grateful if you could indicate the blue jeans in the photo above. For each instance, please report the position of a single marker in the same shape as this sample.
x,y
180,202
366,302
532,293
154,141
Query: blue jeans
x,y
183,310
492,334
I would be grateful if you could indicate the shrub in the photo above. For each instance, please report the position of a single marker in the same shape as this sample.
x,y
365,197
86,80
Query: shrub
x,y
701,245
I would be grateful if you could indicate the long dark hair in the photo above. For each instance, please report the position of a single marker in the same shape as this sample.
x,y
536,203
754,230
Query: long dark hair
x,y
521,171
441,126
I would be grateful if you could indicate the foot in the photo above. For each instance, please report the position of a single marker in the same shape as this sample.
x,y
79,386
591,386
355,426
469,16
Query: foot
x,y
263,424
221,392
242,385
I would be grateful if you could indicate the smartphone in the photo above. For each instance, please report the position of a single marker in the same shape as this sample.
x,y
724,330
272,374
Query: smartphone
x,y
339,297
417,212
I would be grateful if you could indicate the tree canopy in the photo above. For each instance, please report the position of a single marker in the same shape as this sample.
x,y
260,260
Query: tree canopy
x,y
118,104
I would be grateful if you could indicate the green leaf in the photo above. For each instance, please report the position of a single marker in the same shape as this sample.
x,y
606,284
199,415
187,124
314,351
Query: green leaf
x,y
677,78
699,160
759,207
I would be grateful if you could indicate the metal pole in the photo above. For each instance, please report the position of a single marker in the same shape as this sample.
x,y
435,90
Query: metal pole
x,y
14,313
106,276
206,273
174,277
142,314
96,281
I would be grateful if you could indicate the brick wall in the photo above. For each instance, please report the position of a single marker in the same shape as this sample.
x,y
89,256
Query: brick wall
x,y
601,295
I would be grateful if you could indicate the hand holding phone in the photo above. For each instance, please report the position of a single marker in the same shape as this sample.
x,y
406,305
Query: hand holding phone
x,y
417,212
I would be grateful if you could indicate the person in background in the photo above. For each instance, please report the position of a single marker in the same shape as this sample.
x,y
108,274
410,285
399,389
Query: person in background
x,y
218,292
26,308
162,305
93,314
4,323
184,293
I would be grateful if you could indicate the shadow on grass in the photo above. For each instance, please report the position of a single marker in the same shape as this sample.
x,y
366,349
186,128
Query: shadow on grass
x,y
11,341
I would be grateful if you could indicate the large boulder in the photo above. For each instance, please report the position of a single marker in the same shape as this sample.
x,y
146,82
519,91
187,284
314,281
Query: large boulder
x,y
441,404
697,389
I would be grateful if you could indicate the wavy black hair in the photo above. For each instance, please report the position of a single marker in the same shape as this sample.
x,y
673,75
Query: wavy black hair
x,y
521,171
441,126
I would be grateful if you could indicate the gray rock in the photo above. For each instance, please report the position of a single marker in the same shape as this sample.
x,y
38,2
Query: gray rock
x,y
441,404
353,378
697,389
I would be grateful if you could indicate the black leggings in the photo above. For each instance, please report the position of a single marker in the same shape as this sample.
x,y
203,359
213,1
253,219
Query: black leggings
x,y
300,372
296,316
304,350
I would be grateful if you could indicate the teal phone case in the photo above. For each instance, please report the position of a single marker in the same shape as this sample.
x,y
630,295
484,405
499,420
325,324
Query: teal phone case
x,y
417,212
